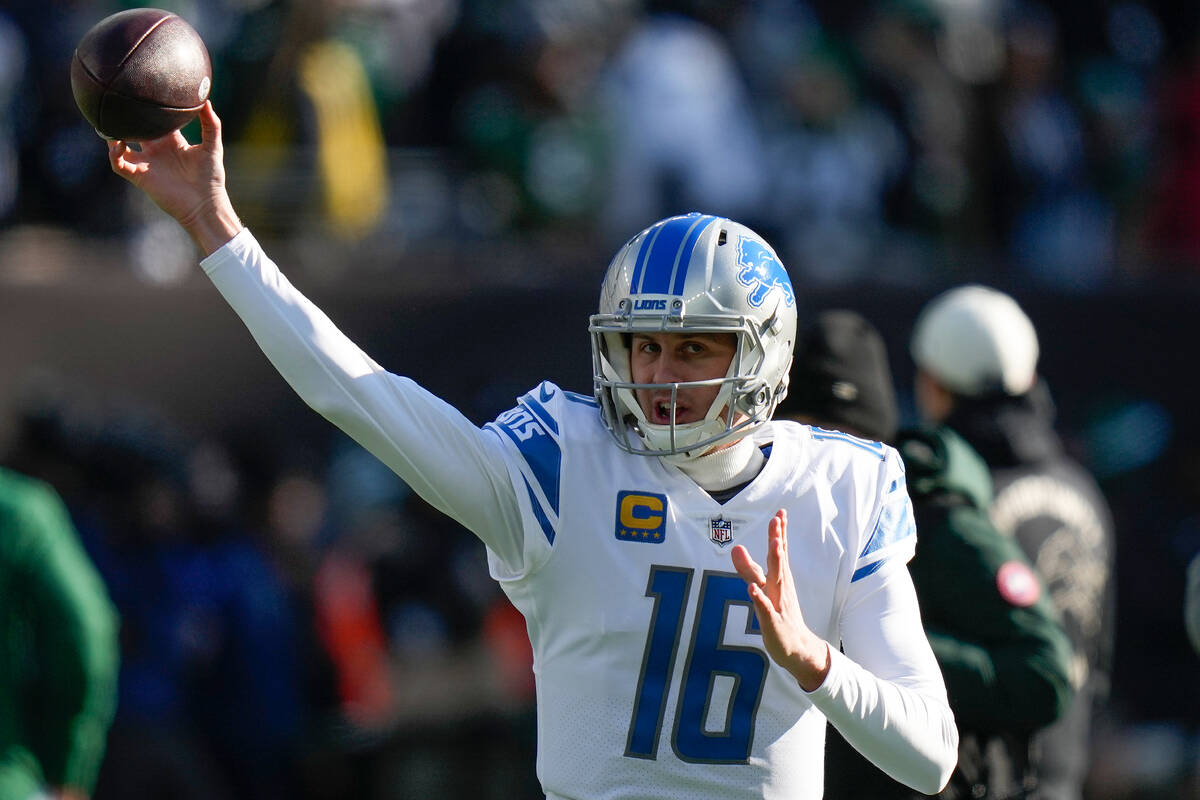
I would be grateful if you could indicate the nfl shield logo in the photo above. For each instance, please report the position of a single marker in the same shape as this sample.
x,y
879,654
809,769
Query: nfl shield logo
x,y
721,531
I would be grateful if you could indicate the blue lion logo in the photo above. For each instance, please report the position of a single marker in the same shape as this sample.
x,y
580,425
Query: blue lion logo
x,y
762,272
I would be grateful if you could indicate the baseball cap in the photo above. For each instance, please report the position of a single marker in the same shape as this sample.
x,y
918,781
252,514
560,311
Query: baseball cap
x,y
840,377
976,341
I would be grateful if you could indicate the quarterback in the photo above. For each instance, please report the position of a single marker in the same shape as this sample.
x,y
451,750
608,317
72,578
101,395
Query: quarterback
x,y
687,644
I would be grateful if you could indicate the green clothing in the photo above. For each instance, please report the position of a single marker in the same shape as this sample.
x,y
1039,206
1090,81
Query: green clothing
x,y
58,647
1005,656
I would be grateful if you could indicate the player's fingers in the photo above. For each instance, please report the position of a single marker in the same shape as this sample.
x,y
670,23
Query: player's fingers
x,y
747,568
775,555
116,157
210,126
779,563
784,557
763,606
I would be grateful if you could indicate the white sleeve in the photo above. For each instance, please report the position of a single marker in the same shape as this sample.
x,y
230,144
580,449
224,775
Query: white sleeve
x,y
457,467
886,695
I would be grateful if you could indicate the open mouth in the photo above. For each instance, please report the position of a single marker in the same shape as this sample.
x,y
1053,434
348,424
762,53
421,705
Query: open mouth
x,y
660,411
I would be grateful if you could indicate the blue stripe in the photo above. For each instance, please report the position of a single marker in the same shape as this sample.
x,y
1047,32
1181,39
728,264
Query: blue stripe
x,y
663,256
895,525
575,397
543,456
863,572
540,412
823,435
539,514
685,255
640,265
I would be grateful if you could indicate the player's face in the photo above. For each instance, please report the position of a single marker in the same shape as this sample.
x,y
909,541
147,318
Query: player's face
x,y
679,358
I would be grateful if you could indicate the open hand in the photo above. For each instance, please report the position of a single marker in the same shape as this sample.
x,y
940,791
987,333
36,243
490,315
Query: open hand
x,y
788,640
185,180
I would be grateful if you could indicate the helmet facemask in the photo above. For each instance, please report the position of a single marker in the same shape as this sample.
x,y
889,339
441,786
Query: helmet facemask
x,y
720,286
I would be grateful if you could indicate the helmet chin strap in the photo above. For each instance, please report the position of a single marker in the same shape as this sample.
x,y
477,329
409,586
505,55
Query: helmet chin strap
x,y
724,467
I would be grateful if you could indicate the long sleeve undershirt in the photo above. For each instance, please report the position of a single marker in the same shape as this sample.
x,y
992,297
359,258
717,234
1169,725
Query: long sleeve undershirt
x,y
457,467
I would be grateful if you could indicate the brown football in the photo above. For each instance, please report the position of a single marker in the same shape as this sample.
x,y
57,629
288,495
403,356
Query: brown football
x,y
140,74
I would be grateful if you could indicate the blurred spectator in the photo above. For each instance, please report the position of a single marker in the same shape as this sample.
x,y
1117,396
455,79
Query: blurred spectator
x,y
1055,224
211,693
13,59
304,121
831,158
423,654
247,694
683,132
977,354
1122,131
525,116
58,654
1174,225
209,699
898,46
60,180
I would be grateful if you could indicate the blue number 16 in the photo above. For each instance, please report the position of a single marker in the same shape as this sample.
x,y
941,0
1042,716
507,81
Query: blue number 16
x,y
707,657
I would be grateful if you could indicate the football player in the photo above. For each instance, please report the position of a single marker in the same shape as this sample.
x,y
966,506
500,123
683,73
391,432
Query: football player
x,y
680,632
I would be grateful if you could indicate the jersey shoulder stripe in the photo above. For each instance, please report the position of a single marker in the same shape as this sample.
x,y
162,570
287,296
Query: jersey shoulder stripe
x,y
539,411
895,530
533,429
895,521
879,488
582,399
825,435
869,569
538,427
543,521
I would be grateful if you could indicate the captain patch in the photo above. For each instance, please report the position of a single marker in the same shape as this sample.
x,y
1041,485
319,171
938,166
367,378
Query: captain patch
x,y
641,517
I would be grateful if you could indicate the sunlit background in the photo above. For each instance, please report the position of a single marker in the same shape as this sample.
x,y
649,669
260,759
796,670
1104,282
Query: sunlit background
x,y
448,179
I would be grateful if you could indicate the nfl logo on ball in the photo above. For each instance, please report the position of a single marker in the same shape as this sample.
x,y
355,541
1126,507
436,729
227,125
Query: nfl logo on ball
x,y
721,531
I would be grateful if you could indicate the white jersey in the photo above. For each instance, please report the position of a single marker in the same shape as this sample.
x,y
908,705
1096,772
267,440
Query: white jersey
x,y
651,675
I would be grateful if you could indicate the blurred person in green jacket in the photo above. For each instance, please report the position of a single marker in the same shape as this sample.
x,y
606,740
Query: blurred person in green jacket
x,y
58,649
977,356
1004,655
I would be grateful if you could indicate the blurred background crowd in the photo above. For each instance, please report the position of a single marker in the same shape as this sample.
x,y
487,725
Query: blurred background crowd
x,y
452,175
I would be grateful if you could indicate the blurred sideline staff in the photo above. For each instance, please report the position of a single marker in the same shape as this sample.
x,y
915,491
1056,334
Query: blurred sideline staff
x,y
977,351
58,649
1005,657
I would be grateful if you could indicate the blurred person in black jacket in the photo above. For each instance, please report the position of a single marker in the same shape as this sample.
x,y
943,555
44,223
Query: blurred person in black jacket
x,y
976,353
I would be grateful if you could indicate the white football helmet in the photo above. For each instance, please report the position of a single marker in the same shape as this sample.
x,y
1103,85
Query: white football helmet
x,y
694,273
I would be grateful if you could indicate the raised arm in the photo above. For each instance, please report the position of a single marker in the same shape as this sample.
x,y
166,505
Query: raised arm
x,y
457,467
